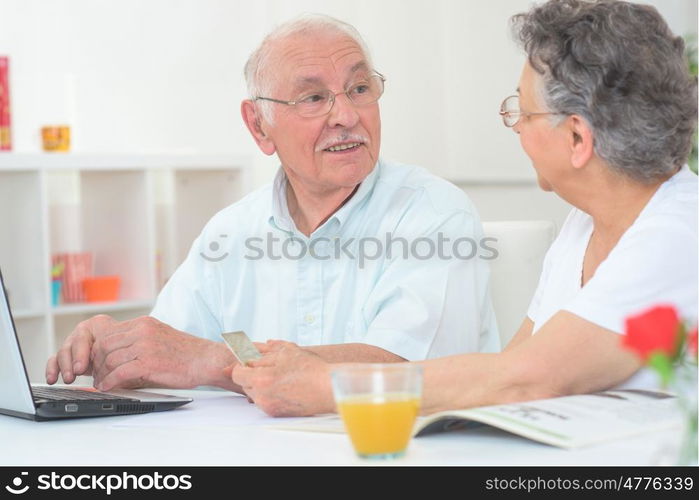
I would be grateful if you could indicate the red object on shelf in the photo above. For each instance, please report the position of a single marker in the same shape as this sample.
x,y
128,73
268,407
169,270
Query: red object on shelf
x,y
101,288
78,266
5,121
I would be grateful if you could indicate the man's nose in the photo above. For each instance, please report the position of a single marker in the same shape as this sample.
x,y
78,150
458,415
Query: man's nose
x,y
343,113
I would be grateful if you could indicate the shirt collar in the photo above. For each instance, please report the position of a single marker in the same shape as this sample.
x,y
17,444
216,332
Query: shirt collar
x,y
281,218
363,192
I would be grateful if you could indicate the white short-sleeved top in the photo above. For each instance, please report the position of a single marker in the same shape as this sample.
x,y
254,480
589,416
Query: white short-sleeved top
x,y
252,270
654,262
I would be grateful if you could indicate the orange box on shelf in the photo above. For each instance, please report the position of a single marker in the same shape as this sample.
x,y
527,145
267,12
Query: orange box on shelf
x,y
56,138
101,288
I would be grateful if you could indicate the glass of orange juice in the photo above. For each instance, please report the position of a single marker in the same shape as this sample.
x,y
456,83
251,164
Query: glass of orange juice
x,y
378,404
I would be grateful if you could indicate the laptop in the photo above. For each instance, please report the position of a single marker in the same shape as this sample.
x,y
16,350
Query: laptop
x,y
19,398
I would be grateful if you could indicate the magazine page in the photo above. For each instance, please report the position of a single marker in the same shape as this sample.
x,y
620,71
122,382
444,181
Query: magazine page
x,y
571,421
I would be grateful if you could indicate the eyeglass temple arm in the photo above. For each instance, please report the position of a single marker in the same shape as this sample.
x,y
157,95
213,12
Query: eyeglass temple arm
x,y
288,103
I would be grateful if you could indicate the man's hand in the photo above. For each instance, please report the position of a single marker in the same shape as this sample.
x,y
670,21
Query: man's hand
x,y
139,353
74,357
287,381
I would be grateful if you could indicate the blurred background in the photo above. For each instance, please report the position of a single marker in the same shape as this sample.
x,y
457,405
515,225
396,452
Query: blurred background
x,y
151,91
165,76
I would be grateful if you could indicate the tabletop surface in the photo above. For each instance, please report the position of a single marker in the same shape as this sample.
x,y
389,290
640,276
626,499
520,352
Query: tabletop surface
x,y
221,428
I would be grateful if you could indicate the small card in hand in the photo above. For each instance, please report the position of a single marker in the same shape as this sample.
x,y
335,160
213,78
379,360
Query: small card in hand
x,y
242,346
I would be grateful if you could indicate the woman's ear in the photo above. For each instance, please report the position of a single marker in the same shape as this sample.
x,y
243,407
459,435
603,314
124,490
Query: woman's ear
x,y
254,124
582,146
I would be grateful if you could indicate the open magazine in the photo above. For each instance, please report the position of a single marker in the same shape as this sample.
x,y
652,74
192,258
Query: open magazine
x,y
566,422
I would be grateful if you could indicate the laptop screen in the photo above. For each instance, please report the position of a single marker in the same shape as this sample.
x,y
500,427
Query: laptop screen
x,y
15,391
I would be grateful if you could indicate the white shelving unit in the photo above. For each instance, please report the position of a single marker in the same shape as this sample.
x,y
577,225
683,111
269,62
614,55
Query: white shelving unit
x,y
136,214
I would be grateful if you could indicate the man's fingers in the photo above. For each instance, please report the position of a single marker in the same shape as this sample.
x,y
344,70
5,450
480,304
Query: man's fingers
x,y
74,356
265,360
128,374
80,354
52,370
80,346
111,362
110,343
65,364
277,345
262,347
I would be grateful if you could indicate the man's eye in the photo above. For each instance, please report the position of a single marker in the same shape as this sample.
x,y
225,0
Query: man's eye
x,y
360,89
312,99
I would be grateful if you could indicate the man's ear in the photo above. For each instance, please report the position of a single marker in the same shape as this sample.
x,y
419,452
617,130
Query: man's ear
x,y
253,122
581,141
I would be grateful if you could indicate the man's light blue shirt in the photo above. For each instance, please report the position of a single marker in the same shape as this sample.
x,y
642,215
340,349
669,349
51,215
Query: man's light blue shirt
x,y
399,266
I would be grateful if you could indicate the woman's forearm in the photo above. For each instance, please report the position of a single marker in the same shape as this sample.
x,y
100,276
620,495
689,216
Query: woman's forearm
x,y
477,379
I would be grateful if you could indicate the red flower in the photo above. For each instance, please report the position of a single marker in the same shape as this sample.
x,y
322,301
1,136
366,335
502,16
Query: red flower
x,y
692,341
654,330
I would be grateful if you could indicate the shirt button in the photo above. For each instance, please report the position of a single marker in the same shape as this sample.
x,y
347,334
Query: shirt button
x,y
309,318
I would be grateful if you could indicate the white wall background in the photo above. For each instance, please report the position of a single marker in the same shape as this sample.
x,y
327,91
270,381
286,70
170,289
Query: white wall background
x,y
135,76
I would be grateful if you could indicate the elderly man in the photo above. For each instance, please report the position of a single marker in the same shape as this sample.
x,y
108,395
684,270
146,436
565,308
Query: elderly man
x,y
352,257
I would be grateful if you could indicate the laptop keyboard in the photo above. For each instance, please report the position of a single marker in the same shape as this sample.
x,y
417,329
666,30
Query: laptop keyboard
x,y
61,394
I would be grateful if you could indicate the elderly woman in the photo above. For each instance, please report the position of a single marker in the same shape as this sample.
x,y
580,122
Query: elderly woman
x,y
605,109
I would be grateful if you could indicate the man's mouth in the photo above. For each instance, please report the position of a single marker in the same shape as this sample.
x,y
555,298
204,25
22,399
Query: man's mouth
x,y
343,147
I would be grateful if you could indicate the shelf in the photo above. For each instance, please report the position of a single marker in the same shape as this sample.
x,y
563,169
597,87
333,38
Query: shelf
x,y
27,314
101,307
136,214
86,161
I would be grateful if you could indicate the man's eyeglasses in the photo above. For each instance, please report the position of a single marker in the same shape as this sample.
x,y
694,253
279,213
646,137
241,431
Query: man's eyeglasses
x,y
320,102
511,114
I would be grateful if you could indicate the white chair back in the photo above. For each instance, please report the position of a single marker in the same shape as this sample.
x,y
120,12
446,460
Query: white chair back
x,y
514,273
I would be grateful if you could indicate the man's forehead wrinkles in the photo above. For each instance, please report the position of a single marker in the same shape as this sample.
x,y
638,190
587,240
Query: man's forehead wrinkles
x,y
306,69
317,59
344,52
310,48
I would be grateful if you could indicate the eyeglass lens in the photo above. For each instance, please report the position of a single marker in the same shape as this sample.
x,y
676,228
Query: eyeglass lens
x,y
510,111
361,93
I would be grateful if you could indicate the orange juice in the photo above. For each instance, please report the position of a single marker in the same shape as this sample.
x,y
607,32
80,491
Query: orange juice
x,y
379,425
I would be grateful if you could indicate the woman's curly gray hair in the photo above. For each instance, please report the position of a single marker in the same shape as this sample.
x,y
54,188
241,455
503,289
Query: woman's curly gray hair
x,y
618,66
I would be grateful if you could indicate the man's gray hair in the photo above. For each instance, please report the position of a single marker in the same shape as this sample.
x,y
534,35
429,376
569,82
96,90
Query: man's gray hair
x,y
619,67
260,77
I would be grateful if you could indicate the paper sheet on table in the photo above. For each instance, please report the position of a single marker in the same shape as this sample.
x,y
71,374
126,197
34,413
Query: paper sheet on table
x,y
227,410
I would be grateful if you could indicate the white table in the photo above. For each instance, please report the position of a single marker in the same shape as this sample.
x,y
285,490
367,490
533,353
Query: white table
x,y
220,428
